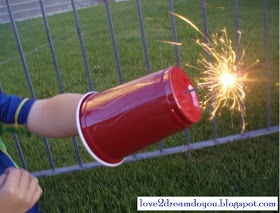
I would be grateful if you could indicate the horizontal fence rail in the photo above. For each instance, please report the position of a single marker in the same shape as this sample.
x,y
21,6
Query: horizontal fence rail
x,y
188,146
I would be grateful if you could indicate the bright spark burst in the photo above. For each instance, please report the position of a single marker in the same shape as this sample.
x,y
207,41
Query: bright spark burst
x,y
222,74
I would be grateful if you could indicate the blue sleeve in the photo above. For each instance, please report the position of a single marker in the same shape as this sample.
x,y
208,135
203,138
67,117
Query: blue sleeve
x,y
14,112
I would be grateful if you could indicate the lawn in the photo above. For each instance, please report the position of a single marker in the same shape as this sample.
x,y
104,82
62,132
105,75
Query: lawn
x,y
245,168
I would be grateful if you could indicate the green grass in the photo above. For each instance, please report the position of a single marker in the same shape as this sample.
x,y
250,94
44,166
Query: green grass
x,y
245,168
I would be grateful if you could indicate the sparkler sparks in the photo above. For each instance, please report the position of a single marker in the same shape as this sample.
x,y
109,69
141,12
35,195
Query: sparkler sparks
x,y
170,42
224,80
221,74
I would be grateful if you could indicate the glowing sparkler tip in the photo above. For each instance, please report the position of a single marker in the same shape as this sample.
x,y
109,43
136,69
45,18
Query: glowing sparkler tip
x,y
228,80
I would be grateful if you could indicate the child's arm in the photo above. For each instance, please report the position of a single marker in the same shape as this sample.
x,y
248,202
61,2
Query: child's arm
x,y
55,116
51,117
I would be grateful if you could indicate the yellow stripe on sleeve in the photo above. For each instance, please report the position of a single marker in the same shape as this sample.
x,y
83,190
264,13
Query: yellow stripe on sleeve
x,y
18,111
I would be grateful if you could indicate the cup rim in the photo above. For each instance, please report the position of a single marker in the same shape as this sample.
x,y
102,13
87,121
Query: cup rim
x,y
81,135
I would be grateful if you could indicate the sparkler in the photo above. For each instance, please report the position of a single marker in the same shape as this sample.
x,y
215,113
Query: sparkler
x,y
222,76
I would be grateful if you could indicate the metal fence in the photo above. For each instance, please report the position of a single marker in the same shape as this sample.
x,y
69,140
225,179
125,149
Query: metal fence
x,y
188,146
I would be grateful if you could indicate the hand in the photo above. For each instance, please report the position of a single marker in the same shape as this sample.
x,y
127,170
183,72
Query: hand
x,y
19,191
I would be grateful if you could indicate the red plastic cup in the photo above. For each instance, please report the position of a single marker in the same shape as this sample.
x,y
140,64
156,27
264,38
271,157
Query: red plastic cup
x,y
123,120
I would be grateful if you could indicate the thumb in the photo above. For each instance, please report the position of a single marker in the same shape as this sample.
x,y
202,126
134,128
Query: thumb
x,y
2,179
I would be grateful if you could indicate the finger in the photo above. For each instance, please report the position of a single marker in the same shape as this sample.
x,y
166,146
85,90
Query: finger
x,y
33,185
12,179
10,169
2,179
24,181
37,194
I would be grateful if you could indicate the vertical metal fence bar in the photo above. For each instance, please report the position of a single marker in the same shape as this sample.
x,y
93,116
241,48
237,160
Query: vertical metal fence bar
x,y
87,71
27,73
77,151
144,43
114,41
51,46
237,34
267,65
175,39
57,74
188,143
47,146
20,48
174,32
21,156
205,24
160,146
82,45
